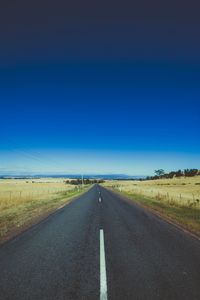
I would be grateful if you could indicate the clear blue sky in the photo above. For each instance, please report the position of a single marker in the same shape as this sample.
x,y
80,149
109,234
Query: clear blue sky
x,y
94,91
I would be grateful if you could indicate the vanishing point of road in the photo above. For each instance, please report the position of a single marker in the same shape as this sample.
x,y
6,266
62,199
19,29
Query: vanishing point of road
x,y
101,246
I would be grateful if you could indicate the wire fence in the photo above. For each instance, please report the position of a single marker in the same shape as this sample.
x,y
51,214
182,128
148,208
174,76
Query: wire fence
x,y
172,198
13,198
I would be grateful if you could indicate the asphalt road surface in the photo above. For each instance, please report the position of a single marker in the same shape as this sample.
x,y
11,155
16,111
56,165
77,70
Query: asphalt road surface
x,y
101,247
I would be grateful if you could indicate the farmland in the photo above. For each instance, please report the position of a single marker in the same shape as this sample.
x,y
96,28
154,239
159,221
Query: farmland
x,y
23,200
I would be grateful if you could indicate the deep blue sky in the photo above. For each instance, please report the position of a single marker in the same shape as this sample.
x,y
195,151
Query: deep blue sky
x,y
106,87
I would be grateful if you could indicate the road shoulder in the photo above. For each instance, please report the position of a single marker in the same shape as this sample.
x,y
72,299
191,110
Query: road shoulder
x,y
160,213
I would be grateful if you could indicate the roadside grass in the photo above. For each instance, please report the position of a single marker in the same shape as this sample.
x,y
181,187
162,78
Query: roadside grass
x,y
14,192
181,191
17,212
175,199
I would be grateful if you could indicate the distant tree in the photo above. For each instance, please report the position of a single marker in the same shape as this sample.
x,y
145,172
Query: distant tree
x,y
159,172
179,173
171,174
191,172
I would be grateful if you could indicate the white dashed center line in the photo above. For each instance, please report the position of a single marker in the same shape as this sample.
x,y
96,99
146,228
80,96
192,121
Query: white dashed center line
x,y
103,277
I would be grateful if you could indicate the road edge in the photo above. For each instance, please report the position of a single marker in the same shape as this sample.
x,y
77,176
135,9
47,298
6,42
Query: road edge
x,y
38,220
163,217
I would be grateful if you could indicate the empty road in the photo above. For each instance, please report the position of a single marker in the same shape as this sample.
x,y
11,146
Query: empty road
x,y
100,246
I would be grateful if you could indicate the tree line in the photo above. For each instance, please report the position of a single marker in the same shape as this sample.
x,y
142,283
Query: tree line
x,y
79,181
160,173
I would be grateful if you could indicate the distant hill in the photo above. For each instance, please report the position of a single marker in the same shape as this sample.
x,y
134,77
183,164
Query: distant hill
x,y
74,176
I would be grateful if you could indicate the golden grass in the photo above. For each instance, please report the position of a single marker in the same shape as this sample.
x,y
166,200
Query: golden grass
x,y
15,192
23,200
178,191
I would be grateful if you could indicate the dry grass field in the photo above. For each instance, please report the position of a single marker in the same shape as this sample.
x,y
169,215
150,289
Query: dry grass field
x,y
23,200
177,198
178,191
